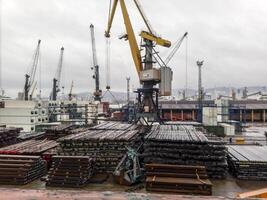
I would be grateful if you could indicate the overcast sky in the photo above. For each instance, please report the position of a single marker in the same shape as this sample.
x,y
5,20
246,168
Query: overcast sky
x,y
230,35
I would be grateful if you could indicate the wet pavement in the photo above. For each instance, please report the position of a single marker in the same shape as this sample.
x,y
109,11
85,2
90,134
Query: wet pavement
x,y
229,187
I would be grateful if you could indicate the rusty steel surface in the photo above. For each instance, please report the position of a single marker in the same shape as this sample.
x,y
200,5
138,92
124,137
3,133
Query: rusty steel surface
x,y
9,136
17,194
177,178
30,147
106,143
70,171
20,170
248,162
56,132
185,145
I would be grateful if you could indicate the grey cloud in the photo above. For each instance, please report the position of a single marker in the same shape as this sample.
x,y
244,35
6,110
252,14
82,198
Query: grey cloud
x,y
229,35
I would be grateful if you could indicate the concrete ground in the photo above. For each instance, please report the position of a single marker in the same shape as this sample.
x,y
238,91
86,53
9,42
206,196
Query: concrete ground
x,y
228,188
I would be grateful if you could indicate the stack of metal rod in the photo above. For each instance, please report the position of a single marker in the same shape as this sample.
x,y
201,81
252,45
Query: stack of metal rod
x,y
70,171
248,162
56,132
106,143
30,147
9,136
177,178
20,170
184,145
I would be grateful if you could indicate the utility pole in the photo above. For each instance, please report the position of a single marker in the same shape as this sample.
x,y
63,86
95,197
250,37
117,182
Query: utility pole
x,y
128,90
200,91
1,86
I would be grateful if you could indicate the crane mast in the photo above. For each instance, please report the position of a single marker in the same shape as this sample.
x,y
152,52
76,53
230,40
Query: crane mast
x,y
56,79
97,92
30,77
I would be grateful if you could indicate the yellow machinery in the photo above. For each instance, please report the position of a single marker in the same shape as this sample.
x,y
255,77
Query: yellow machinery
x,y
261,193
149,76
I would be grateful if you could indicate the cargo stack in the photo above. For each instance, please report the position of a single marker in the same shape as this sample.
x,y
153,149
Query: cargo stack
x,y
9,136
70,171
177,178
184,145
30,147
248,162
106,143
20,170
56,132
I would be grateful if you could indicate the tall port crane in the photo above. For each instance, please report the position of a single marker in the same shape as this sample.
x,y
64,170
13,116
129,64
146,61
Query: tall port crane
x,y
70,93
56,79
149,76
30,76
97,92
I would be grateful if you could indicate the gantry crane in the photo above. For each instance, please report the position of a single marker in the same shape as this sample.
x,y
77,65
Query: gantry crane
x,y
149,76
30,76
97,92
56,79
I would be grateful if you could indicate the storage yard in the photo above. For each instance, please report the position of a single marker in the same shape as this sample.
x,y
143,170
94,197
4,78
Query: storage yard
x,y
153,141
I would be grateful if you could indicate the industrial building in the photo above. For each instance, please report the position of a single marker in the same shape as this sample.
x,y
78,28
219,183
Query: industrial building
x,y
239,110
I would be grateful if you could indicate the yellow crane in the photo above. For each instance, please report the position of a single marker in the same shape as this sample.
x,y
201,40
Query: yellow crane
x,y
130,36
147,107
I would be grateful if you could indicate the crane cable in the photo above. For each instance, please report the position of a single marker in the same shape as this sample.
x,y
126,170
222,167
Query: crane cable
x,y
108,53
186,66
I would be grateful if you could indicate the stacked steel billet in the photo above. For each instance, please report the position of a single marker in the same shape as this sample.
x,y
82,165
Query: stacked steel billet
x,y
114,126
184,145
19,170
70,171
177,178
59,131
9,136
30,147
106,146
248,162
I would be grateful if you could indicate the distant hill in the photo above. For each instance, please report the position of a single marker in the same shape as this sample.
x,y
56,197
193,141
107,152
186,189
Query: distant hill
x,y
115,96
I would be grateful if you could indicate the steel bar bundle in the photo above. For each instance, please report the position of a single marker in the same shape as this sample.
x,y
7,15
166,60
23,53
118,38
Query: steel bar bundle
x,y
184,145
20,170
114,126
59,131
248,162
9,136
70,171
177,178
30,147
106,146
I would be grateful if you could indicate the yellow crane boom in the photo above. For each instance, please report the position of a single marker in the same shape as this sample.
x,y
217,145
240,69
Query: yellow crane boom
x,y
130,33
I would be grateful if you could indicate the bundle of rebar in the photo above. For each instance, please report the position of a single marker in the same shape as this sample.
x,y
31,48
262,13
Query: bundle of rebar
x,y
59,131
177,178
20,170
248,162
105,145
30,147
70,171
184,145
9,136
